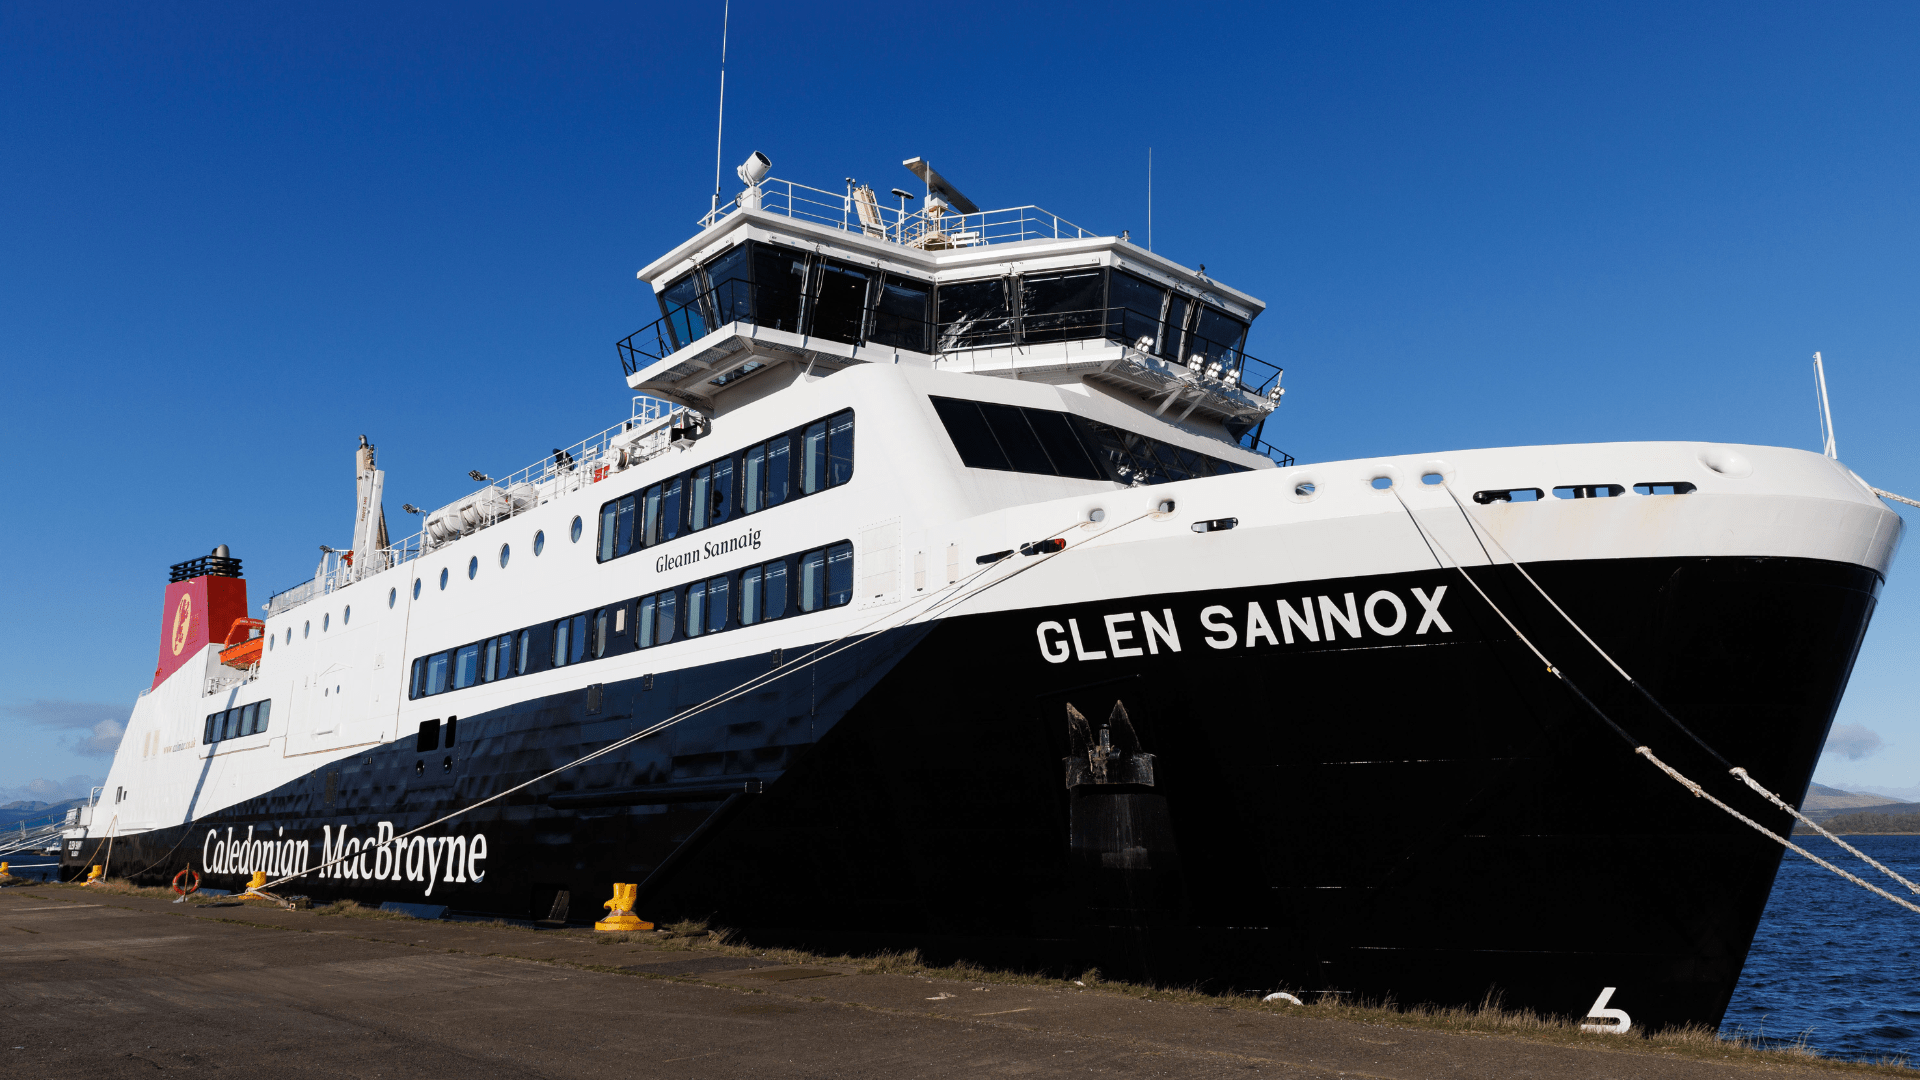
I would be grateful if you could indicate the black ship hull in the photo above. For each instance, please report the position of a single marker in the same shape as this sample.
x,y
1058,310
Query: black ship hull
x,y
1421,816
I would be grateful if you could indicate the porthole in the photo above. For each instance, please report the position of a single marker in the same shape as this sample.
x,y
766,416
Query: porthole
x,y
416,588
504,553
306,628
392,596
576,528
270,641
326,621
539,543
443,579
1381,483
473,567
289,635
346,615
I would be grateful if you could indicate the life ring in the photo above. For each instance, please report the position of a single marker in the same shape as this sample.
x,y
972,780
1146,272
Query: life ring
x,y
193,888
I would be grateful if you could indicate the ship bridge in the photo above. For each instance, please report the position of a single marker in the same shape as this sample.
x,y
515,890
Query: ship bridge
x,y
787,280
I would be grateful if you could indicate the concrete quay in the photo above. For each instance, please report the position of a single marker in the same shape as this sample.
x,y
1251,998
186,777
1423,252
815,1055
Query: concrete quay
x,y
100,984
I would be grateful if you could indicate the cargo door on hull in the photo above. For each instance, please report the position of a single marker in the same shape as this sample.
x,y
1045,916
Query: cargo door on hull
x,y
334,713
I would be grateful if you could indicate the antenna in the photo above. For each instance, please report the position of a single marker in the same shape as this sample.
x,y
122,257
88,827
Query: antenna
x,y
1826,413
726,13
1149,198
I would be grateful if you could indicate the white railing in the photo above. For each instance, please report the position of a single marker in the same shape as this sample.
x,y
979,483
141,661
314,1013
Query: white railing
x,y
646,434
911,228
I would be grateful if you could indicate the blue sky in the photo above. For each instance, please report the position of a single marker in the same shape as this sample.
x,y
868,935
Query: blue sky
x,y
235,237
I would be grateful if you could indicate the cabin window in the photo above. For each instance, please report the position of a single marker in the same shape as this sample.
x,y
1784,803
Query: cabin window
x,y
753,479
699,497
779,470
1016,438
569,641
326,621
576,533
975,314
524,653
643,625
539,545
779,275
840,301
696,609
473,567
602,631
813,581
609,530
346,615
1062,306
443,578
813,458
1134,307
664,621
718,593
671,509
393,595
260,719
720,497
466,666
505,554
840,448
763,593
247,713
436,674
839,574
900,314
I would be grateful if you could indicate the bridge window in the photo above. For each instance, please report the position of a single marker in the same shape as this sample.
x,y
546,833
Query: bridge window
x,y
975,314
1135,307
1217,335
779,276
1063,306
900,314
840,301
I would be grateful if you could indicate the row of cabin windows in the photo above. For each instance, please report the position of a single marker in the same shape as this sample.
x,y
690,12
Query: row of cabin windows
x,y
1013,438
248,719
777,589
806,293
807,460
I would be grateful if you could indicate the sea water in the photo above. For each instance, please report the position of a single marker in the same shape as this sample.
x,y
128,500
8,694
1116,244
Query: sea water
x,y
1834,962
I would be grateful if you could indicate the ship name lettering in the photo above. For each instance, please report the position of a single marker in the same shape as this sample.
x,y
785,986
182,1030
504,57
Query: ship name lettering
x,y
746,541
1320,618
429,860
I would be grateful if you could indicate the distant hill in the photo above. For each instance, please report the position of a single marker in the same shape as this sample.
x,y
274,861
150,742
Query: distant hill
x,y
1825,802
34,813
1868,821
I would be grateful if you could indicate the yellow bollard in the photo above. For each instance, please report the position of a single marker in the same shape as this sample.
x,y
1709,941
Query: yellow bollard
x,y
258,886
95,875
620,914
3,869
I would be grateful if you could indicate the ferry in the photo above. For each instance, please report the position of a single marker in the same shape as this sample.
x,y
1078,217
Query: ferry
x,y
943,590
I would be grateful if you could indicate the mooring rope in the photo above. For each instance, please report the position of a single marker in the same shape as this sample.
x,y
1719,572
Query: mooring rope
x,y
1895,498
1433,543
1735,770
959,590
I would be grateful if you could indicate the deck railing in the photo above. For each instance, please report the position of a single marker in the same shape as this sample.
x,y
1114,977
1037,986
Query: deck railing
x,y
913,228
649,432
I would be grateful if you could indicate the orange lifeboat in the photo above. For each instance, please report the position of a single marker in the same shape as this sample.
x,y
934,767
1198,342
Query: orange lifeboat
x,y
243,644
